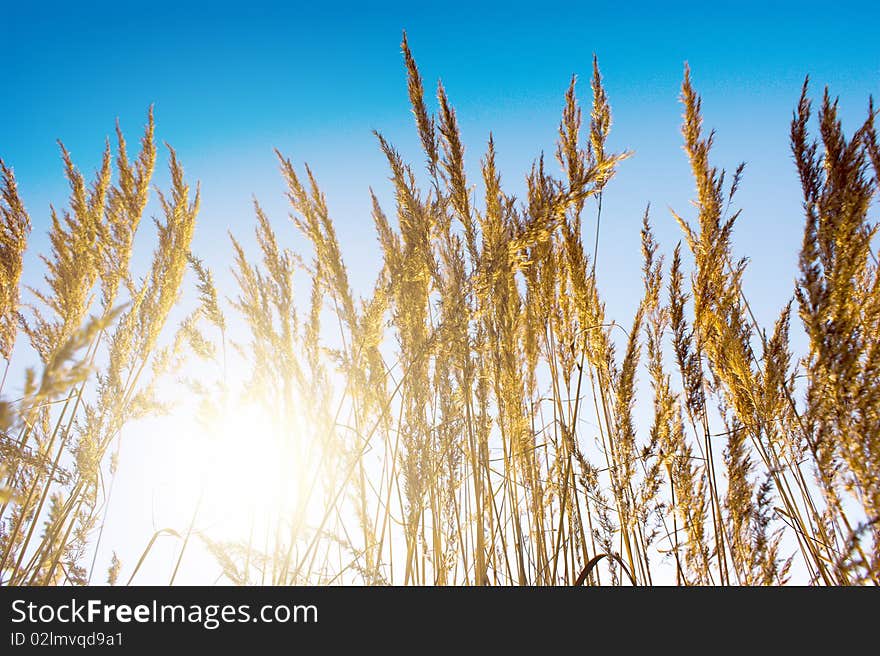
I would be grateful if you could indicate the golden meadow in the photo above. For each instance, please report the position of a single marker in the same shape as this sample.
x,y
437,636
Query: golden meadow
x,y
472,421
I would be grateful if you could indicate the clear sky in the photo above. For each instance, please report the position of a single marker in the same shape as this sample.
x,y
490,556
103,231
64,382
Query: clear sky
x,y
232,81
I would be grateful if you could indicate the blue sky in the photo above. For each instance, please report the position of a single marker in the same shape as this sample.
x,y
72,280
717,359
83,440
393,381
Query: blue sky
x,y
232,82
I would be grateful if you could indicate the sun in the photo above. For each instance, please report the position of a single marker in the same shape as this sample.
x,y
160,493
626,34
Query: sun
x,y
242,482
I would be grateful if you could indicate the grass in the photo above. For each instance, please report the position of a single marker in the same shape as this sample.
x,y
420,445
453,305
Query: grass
x,y
434,432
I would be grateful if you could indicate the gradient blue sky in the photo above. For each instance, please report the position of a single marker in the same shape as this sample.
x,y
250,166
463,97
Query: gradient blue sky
x,y
231,82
